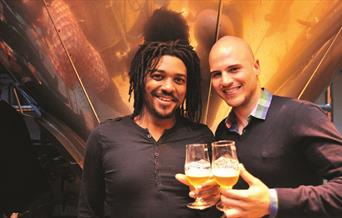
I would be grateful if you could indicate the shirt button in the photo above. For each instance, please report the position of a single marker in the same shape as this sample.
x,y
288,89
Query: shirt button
x,y
149,136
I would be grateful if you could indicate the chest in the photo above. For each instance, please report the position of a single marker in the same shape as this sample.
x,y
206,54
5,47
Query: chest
x,y
142,164
270,153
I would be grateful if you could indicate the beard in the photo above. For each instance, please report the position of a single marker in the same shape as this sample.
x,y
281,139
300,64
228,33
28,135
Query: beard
x,y
159,115
153,109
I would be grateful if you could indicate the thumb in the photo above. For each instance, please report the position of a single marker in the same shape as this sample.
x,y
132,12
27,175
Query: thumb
x,y
182,179
249,178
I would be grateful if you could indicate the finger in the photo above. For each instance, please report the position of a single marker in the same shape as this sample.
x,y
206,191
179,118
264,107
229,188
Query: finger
x,y
208,194
209,184
208,190
249,178
235,194
182,179
192,194
233,203
233,212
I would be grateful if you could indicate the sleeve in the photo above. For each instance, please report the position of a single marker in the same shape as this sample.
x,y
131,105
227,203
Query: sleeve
x,y
321,144
91,199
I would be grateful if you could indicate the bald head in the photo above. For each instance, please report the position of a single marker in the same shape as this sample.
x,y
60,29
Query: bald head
x,y
231,44
234,73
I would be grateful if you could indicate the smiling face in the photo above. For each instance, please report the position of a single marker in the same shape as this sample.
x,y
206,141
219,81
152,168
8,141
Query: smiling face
x,y
165,88
234,72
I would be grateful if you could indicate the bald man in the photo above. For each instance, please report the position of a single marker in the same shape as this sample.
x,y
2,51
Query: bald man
x,y
288,146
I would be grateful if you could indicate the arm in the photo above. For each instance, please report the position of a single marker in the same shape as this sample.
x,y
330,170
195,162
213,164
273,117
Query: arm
x,y
91,200
321,145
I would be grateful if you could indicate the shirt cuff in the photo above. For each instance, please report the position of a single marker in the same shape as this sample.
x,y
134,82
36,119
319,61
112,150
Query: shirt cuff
x,y
273,209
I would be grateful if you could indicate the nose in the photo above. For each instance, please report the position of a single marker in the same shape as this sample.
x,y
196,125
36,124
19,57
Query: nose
x,y
226,79
168,86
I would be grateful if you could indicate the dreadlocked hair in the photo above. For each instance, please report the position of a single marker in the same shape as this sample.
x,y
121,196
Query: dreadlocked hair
x,y
148,56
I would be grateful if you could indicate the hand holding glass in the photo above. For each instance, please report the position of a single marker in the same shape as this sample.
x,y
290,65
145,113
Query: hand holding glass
x,y
225,165
197,170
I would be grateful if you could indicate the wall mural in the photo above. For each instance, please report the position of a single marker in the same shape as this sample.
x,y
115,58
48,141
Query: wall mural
x,y
73,56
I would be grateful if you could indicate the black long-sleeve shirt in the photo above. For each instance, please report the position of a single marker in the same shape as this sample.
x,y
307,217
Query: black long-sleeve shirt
x,y
135,174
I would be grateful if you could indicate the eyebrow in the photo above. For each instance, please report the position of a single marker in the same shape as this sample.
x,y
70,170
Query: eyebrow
x,y
234,66
227,68
215,71
163,71
156,70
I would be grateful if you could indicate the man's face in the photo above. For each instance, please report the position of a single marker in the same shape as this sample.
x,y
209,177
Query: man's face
x,y
234,74
165,88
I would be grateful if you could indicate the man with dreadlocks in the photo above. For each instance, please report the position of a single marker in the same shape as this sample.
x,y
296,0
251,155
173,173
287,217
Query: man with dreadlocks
x,y
131,161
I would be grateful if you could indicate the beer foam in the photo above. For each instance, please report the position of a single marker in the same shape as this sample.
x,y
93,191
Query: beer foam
x,y
194,172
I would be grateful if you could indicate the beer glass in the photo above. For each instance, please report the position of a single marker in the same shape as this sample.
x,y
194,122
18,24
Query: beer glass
x,y
197,170
225,165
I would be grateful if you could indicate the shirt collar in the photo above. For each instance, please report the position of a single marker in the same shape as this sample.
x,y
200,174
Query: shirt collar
x,y
260,111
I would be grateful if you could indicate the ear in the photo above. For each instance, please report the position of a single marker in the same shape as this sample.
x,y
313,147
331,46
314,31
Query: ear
x,y
256,67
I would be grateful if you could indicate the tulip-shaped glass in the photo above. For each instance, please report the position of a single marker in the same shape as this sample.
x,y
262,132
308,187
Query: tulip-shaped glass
x,y
225,165
197,170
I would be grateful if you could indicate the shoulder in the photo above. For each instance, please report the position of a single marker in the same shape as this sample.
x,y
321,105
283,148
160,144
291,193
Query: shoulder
x,y
108,131
300,113
118,121
191,128
108,126
221,128
294,105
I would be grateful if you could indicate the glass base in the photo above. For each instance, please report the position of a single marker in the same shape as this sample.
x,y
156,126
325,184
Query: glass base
x,y
199,205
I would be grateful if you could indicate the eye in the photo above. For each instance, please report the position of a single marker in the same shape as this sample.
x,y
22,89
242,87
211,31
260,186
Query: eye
x,y
157,76
216,74
180,80
233,69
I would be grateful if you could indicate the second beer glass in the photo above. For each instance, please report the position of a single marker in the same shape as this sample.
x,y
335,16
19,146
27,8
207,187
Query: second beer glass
x,y
225,165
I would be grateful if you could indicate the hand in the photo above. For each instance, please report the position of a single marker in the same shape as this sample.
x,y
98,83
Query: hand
x,y
250,203
208,191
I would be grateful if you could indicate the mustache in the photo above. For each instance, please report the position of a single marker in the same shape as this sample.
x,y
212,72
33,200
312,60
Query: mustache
x,y
166,95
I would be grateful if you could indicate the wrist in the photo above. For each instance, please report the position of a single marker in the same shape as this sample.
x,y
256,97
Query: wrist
x,y
273,206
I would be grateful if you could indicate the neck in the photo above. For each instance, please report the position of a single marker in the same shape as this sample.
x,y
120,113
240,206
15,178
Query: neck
x,y
242,112
156,126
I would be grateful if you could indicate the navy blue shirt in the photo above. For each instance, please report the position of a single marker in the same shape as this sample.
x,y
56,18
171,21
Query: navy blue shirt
x,y
293,149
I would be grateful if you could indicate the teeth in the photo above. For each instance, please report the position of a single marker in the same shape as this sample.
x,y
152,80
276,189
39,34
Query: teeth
x,y
231,90
165,99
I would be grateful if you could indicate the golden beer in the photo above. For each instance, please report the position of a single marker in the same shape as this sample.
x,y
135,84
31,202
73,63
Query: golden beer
x,y
197,176
226,178
196,180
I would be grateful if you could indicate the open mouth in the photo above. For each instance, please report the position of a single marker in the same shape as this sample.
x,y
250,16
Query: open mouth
x,y
165,99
